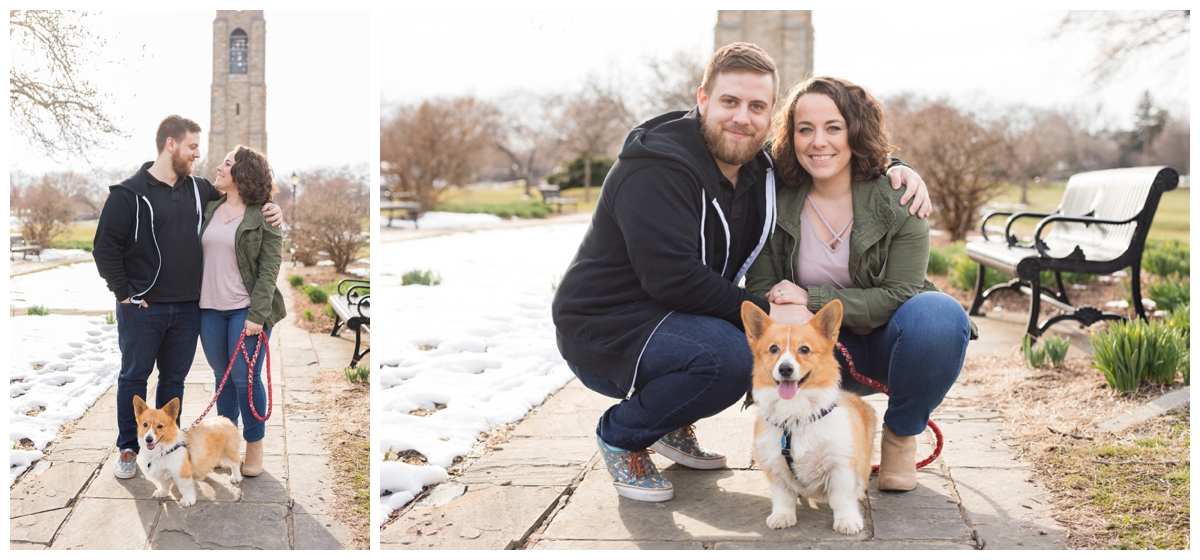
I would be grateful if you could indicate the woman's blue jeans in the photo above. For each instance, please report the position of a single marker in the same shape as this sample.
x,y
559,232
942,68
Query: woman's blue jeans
x,y
219,333
693,367
917,355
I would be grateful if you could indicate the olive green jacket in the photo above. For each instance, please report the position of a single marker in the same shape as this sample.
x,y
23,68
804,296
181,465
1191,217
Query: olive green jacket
x,y
259,249
889,251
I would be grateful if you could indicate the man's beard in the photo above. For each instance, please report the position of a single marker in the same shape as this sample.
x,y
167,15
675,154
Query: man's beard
x,y
727,150
181,166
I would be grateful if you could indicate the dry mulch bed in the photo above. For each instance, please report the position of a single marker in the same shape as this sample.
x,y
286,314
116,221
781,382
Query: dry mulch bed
x,y
347,410
319,275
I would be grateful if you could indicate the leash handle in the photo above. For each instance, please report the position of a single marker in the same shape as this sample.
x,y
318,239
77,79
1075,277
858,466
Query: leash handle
x,y
258,349
937,432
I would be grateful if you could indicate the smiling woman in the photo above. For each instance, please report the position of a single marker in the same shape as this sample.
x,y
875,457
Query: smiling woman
x,y
842,234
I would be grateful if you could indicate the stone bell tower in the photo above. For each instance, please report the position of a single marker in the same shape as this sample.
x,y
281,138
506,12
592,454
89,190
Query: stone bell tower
x,y
786,35
239,89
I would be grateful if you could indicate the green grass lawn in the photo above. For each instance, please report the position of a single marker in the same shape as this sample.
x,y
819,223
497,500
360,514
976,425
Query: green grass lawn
x,y
1172,220
483,198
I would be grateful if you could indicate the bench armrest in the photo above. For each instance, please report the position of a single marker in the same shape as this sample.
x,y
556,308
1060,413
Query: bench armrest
x,y
1012,219
359,307
350,284
984,221
1037,234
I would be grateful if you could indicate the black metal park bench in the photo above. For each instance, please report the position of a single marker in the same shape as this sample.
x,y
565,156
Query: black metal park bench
x,y
1100,227
352,305
403,203
17,244
553,196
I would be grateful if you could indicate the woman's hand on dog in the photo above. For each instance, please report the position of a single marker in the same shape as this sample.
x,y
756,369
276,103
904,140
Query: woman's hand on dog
x,y
252,329
785,292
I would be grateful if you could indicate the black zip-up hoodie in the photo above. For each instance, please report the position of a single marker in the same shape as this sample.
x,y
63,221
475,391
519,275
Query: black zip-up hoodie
x,y
658,243
126,250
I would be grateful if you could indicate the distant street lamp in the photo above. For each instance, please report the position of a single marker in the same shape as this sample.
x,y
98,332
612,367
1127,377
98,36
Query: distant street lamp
x,y
295,181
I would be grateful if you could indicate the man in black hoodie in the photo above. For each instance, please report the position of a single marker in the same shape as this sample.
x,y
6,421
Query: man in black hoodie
x,y
147,249
649,310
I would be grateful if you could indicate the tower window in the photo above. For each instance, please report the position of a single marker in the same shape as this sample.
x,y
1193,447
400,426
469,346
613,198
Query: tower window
x,y
239,50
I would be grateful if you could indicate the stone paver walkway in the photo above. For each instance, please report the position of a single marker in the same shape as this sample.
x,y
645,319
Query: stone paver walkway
x,y
546,488
71,500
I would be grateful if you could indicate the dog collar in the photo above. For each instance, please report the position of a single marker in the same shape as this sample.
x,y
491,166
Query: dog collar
x,y
183,444
786,440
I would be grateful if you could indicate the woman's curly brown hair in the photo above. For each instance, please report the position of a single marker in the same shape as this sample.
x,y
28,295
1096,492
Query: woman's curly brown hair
x,y
252,175
868,141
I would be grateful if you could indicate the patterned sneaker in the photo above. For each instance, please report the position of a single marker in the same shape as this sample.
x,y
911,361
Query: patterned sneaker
x,y
126,465
681,446
634,474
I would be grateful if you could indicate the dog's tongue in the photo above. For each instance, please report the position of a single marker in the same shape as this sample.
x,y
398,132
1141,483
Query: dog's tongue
x,y
151,445
787,389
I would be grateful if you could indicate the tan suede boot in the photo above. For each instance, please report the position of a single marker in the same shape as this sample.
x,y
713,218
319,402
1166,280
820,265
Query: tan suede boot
x,y
897,462
252,463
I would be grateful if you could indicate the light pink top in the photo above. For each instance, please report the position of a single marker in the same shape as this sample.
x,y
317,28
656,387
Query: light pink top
x,y
221,287
818,263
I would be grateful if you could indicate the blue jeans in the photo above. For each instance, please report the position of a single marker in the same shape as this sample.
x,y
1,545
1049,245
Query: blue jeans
x,y
219,333
917,355
693,367
161,332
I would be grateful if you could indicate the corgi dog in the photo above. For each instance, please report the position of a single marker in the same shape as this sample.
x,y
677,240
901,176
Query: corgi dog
x,y
811,438
171,454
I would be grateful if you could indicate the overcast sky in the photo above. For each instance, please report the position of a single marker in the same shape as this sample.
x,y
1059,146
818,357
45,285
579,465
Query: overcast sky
x,y
319,102
988,56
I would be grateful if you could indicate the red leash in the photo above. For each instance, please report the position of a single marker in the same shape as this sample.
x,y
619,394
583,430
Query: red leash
x,y
258,349
937,450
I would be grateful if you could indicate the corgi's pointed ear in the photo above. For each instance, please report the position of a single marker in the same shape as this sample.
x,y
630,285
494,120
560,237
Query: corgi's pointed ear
x,y
139,405
172,408
755,320
829,319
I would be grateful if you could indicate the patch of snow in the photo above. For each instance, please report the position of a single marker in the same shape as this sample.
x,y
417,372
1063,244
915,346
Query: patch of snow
x,y
404,481
1121,273
1079,286
364,272
1118,304
445,220
481,342
57,254
1149,303
77,286
58,366
325,263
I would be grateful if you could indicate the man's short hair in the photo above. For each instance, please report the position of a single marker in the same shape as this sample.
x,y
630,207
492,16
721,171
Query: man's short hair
x,y
740,57
175,127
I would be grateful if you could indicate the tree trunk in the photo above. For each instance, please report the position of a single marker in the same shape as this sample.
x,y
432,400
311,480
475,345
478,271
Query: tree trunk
x,y
587,177
1025,192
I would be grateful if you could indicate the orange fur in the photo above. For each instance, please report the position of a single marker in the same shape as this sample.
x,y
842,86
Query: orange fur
x,y
212,443
835,451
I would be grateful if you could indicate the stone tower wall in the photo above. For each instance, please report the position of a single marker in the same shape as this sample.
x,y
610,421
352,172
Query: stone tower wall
x,y
786,35
239,101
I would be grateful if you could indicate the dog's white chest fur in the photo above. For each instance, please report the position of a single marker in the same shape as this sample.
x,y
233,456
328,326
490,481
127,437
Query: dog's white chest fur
x,y
818,448
162,467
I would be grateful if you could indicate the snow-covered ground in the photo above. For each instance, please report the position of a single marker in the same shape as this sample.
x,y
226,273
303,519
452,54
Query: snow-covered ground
x,y
444,220
52,255
58,366
77,286
481,343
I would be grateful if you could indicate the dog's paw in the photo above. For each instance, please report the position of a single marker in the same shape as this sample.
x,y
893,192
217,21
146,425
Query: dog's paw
x,y
850,524
187,501
160,493
781,520
236,476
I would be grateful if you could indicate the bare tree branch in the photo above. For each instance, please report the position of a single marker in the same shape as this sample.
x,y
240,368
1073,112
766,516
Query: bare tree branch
x,y
1126,35
49,104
